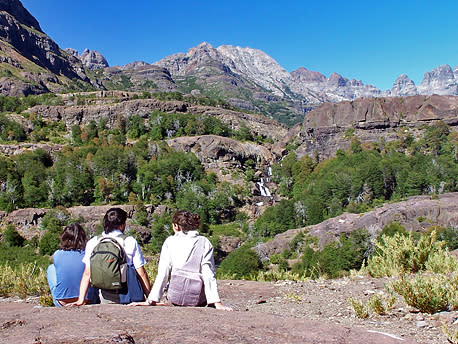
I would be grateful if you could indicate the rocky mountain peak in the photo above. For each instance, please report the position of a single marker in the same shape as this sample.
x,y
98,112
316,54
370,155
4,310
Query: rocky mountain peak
x,y
92,59
441,80
337,80
203,50
256,65
200,57
403,86
304,75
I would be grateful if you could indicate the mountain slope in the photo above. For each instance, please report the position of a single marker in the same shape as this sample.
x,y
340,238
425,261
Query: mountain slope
x,y
31,62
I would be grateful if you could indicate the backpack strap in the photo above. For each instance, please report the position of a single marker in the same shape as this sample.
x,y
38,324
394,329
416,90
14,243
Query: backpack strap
x,y
196,254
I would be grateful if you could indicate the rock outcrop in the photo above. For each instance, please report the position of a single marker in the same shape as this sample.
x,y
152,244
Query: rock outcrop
x,y
415,214
82,115
104,324
216,152
323,129
138,76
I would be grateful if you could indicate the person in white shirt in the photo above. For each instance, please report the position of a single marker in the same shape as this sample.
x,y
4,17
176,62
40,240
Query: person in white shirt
x,y
114,223
176,252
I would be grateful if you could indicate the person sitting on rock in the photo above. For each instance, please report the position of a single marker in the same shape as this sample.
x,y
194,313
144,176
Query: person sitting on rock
x,y
138,285
177,251
64,275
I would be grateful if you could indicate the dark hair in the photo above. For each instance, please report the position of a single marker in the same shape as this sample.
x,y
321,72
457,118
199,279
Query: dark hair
x,y
186,220
113,219
73,238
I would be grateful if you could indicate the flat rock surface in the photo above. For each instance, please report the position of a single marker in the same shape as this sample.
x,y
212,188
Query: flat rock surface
x,y
264,312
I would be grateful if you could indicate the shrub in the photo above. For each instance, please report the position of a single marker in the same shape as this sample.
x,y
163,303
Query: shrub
x,y
449,235
428,293
281,262
398,254
393,228
11,237
441,262
240,263
452,336
26,280
49,243
53,222
375,304
344,255
361,310
160,229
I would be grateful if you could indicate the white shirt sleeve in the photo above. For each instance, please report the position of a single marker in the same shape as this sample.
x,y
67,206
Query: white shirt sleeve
x,y
163,272
90,245
134,252
208,274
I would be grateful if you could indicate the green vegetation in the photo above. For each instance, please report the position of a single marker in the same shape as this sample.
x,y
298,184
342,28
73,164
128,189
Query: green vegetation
x,y
240,264
19,104
336,258
360,179
427,273
131,163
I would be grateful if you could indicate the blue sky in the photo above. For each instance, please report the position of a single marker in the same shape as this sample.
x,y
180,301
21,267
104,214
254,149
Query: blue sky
x,y
372,41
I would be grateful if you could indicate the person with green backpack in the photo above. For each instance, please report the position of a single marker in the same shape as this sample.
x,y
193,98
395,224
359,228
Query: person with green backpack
x,y
114,263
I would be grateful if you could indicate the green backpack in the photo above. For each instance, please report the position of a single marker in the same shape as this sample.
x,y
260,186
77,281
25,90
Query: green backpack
x,y
108,264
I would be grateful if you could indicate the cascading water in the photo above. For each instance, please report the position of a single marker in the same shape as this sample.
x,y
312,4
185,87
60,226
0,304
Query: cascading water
x,y
263,188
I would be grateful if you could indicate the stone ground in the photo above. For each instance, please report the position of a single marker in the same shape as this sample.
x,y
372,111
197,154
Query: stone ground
x,y
264,312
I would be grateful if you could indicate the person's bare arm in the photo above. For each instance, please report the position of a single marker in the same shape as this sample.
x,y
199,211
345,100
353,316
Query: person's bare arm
x,y
144,280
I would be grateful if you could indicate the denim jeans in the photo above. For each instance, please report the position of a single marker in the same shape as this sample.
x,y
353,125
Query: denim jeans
x,y
52,282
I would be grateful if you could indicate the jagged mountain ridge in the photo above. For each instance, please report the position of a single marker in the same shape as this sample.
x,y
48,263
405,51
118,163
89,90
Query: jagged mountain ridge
x,y
301,86
260,69
247,78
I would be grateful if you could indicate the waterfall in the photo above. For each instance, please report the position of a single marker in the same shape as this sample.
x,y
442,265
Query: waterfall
x,y
263,189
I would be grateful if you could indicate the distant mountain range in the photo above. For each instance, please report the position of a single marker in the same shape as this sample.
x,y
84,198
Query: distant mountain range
x,y
246,78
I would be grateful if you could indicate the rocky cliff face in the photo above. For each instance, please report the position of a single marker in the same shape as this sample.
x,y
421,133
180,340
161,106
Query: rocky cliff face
x,y
82,115
323,129
24,44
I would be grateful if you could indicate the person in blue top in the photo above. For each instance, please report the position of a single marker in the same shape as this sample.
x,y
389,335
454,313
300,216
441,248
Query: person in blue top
x,y
64,275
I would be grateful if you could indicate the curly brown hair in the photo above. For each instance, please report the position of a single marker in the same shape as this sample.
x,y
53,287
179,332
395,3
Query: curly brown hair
x,y
186,220
73,238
